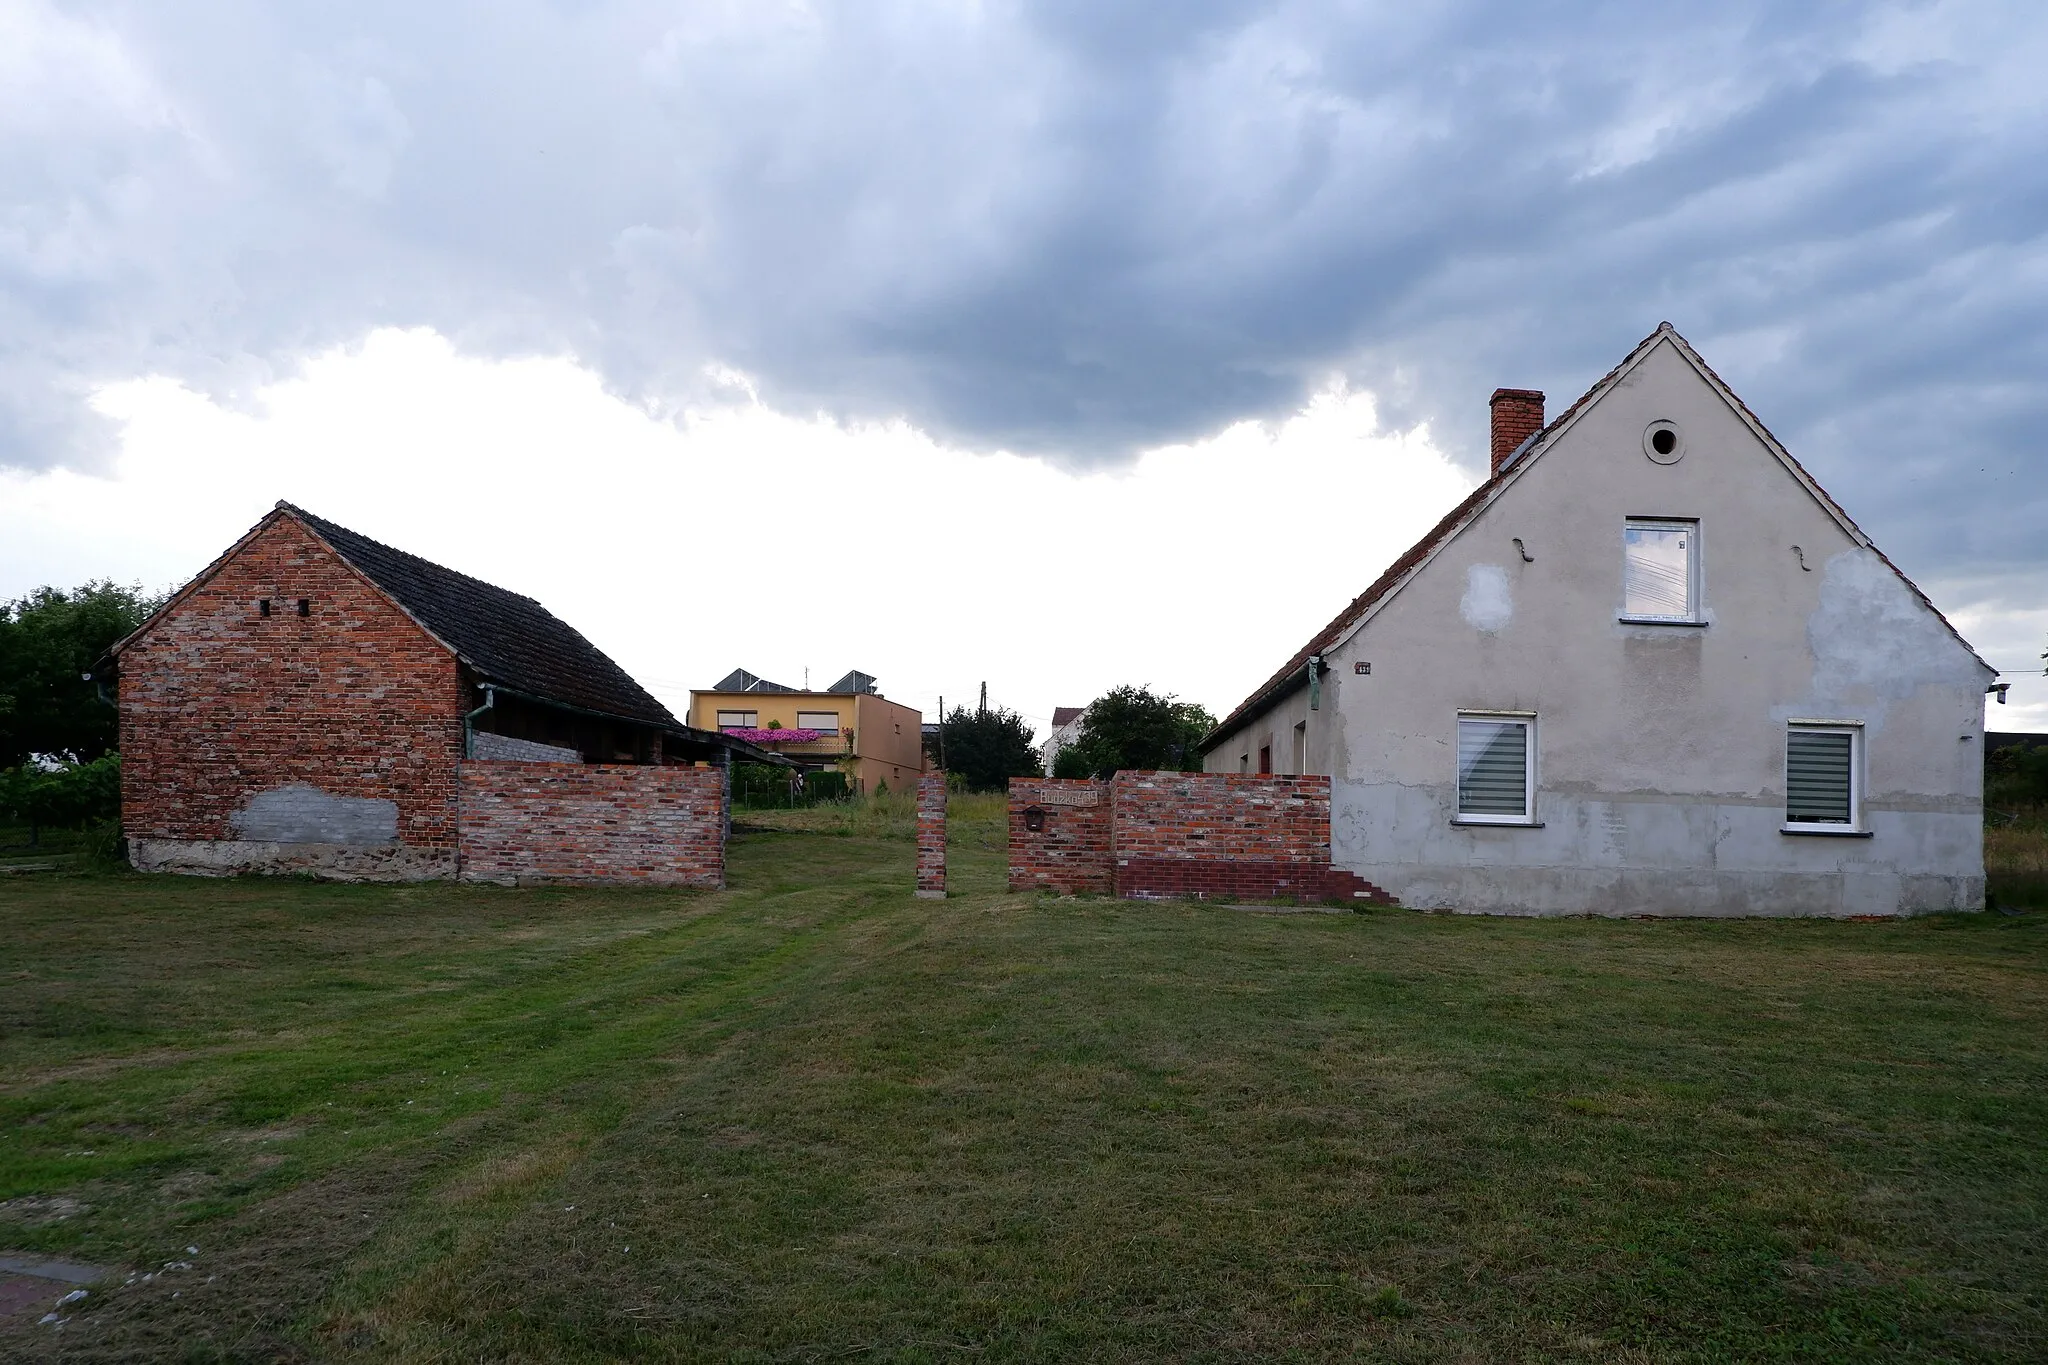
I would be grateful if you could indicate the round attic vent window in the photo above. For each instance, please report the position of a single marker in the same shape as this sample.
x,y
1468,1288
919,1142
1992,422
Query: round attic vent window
x,y
1663,442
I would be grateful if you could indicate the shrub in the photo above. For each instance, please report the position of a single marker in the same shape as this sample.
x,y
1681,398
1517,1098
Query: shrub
x,y
75,796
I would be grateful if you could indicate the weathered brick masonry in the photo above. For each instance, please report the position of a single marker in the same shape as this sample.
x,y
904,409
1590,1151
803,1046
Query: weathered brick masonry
x,y
1226,836
566,822
234,724
301,705
1220,835
1069,851
931,835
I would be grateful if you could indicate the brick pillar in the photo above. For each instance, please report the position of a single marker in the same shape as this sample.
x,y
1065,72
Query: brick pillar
x,y
931,836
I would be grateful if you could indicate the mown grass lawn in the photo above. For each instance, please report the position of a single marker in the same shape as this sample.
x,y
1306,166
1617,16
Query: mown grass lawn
x,y
813,1118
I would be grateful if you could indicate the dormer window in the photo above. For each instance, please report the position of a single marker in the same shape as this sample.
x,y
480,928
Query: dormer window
x,y
1660,571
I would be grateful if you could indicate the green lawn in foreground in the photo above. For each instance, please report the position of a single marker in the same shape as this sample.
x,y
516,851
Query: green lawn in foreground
x,y
813,1118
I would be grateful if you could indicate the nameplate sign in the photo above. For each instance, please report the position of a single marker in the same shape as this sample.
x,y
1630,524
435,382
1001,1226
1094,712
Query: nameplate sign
x,y
1069,796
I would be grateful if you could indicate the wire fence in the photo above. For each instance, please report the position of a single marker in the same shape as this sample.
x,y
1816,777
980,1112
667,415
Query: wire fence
x,y
758,786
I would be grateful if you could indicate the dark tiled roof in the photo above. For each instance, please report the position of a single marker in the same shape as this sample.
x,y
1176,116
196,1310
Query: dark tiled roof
x,y
1294,673
506,638
1062,714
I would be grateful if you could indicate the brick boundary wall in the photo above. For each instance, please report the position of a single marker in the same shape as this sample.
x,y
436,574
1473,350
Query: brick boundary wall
x,y
1069,852
931,836
1212,836
1220,836
1222,816
544,823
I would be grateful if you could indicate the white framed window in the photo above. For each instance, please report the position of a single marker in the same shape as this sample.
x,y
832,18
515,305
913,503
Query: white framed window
x,y
1660,570
1823,778
828,721
1497,767
739,720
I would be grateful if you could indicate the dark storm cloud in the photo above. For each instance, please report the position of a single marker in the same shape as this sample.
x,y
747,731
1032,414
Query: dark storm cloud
x,y
1072,229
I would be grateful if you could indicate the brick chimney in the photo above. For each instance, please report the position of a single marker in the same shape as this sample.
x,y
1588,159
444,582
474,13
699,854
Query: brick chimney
x,y
1517,415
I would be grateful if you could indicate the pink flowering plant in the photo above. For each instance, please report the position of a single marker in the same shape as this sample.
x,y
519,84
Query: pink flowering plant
x,y
777,736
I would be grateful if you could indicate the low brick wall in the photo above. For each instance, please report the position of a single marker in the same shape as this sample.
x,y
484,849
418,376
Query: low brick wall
x,y
525,823
1213,816
1215,836
1069,851
931,835
1221,836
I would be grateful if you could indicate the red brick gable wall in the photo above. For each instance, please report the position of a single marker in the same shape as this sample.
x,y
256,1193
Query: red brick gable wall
x,y
220,703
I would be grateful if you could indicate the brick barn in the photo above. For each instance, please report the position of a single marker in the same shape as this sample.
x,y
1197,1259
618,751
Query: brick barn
x,y
318,702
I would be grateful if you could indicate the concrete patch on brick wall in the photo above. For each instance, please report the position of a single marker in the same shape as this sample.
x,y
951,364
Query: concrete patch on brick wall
x,y
392,862
302,814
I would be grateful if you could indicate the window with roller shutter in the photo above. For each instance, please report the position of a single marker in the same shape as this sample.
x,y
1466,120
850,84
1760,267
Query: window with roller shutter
x,y
1821,787
1497,769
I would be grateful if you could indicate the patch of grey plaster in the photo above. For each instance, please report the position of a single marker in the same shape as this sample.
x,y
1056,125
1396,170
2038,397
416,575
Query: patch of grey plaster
x,y
1873,638
505,749
1489,603
302,814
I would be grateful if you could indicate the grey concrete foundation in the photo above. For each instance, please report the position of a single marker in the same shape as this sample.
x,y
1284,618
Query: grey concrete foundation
x,y
1648,855
332,862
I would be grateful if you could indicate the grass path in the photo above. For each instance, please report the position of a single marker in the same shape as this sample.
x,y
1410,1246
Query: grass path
x,y
813,1118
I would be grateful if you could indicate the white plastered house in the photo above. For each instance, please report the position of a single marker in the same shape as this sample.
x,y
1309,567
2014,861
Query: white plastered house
x,y
1649,667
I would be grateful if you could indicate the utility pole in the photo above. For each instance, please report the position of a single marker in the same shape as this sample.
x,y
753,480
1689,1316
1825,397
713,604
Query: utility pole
x,y
984,700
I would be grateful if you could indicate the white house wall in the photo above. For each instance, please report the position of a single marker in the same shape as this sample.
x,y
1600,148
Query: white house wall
x,y
1659,748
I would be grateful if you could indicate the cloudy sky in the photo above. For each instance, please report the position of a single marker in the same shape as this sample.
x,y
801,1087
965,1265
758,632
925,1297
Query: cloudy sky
x,y
935,339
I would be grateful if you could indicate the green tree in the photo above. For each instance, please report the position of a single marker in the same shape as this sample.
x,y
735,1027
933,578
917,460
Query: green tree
x,y
72,796
1130,728
1070,763
2016,775
48,641
985,749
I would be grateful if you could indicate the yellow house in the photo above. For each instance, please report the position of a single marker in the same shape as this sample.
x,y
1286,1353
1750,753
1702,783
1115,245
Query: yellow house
x,y
848,727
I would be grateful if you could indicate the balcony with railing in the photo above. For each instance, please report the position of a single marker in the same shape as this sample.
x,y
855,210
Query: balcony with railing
x,y
799,743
